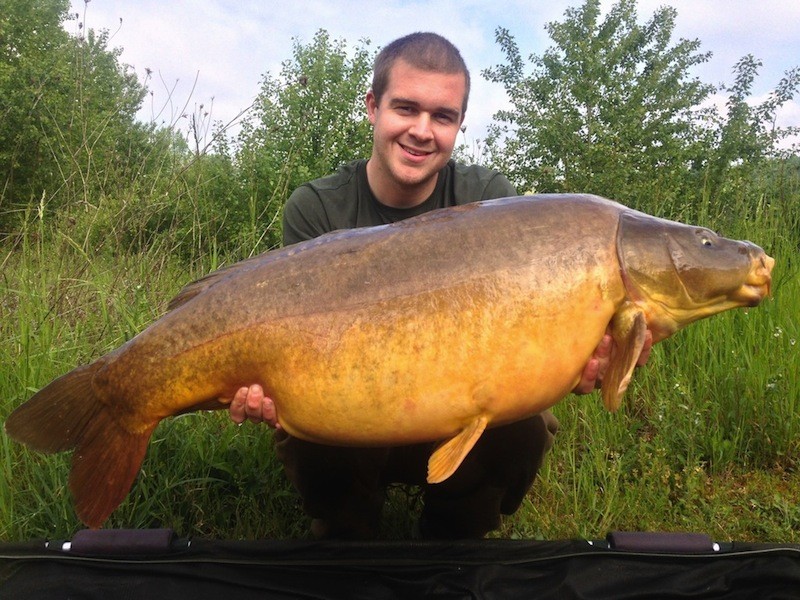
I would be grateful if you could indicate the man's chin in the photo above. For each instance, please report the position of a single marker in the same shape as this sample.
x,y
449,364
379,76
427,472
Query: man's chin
x,y
417,174
412,181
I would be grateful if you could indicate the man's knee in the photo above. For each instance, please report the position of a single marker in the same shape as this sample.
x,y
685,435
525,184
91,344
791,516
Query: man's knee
x,y
340,487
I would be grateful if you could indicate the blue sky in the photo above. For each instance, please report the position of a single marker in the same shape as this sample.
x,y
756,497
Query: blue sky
x,y
221,48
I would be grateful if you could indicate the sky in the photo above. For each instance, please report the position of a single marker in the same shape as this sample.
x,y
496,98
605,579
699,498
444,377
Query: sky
x,y
216,52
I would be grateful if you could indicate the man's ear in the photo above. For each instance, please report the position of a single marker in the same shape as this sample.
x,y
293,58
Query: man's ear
x,y
372,106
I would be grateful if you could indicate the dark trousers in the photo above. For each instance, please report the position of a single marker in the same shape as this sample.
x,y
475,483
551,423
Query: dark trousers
x,y
343,489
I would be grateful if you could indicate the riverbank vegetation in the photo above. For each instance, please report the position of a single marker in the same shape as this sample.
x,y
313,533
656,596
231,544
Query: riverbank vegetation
x,y
104,218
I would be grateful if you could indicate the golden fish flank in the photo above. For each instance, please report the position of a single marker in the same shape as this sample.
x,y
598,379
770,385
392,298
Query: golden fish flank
x,y
432,328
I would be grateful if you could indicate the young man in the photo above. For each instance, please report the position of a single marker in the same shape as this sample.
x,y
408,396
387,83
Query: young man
x,y
416,106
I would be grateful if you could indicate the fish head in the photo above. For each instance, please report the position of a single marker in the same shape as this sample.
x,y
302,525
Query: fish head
x,y
681,273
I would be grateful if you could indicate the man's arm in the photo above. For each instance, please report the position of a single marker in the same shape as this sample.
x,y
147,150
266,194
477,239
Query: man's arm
x,y
499,187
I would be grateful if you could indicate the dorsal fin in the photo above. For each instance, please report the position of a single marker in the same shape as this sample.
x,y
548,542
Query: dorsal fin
x,y
197,287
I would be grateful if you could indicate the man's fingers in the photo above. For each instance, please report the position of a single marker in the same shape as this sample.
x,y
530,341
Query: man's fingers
x,y
269,413
594,370
604,348
253,403
588,377
237,406
603,356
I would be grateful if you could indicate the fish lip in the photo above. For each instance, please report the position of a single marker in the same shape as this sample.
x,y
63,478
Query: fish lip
x,y
759,283
753,293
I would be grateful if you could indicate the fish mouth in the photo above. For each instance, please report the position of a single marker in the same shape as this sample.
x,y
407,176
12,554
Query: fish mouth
x,y
759,283
752,295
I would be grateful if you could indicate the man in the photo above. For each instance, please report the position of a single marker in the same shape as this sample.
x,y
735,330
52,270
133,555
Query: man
x,y
416,106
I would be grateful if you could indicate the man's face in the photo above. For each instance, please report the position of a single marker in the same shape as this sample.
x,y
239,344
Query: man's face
x,y
415,128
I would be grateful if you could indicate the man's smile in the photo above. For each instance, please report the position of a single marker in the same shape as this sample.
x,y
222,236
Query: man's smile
x,y
415,151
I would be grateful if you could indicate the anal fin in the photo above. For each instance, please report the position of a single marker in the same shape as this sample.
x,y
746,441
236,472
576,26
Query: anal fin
x,y
449,454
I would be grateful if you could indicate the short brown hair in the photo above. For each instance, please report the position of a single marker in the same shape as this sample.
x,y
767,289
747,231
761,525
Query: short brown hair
x,y
422,50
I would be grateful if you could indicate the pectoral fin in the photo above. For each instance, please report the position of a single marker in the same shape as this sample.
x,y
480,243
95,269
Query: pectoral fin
x,y
628,329
449,454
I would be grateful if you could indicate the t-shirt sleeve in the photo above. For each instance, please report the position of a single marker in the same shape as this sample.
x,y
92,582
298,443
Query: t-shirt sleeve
x,y
473,183
304,216
499,187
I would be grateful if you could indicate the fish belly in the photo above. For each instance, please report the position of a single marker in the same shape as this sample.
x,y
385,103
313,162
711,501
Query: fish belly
x,y
423,367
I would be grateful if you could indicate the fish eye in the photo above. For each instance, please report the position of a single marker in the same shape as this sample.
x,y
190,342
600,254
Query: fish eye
x,y
706,237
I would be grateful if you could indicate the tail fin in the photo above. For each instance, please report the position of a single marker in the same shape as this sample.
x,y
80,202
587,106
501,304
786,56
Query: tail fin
x,y
66,415
54,419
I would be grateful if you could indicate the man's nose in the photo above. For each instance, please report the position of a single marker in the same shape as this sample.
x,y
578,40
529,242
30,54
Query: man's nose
x,y
421,129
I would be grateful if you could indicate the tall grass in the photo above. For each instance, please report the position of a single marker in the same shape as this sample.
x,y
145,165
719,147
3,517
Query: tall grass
x,y
707,438
63,305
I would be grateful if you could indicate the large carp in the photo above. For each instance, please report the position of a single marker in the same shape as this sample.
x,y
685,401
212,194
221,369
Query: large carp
x,y
433,328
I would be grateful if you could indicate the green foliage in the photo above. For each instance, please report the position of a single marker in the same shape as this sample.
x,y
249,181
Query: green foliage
x,y
612,109
33,70
609,109
747,135
68,131
305,123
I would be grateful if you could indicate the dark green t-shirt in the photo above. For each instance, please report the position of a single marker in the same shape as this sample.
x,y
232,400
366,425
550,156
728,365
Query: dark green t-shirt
x,y
344,200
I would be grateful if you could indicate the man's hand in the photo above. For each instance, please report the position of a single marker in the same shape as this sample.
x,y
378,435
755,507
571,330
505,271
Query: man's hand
x,y
595,369
250,403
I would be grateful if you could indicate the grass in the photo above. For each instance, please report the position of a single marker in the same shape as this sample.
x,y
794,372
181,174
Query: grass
x,y
708,438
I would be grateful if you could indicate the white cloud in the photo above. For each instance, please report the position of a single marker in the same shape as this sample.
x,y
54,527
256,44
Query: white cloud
x,y
230,45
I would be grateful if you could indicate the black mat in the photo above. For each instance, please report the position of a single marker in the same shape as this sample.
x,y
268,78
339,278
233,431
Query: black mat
x,y
155,565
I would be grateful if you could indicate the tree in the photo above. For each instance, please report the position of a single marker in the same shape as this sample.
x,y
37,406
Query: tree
x,y
610,109
747,133
32,68
68,129
99,130
306,122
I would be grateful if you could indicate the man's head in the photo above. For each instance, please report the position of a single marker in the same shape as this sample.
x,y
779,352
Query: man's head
x,y
424,51
416,107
